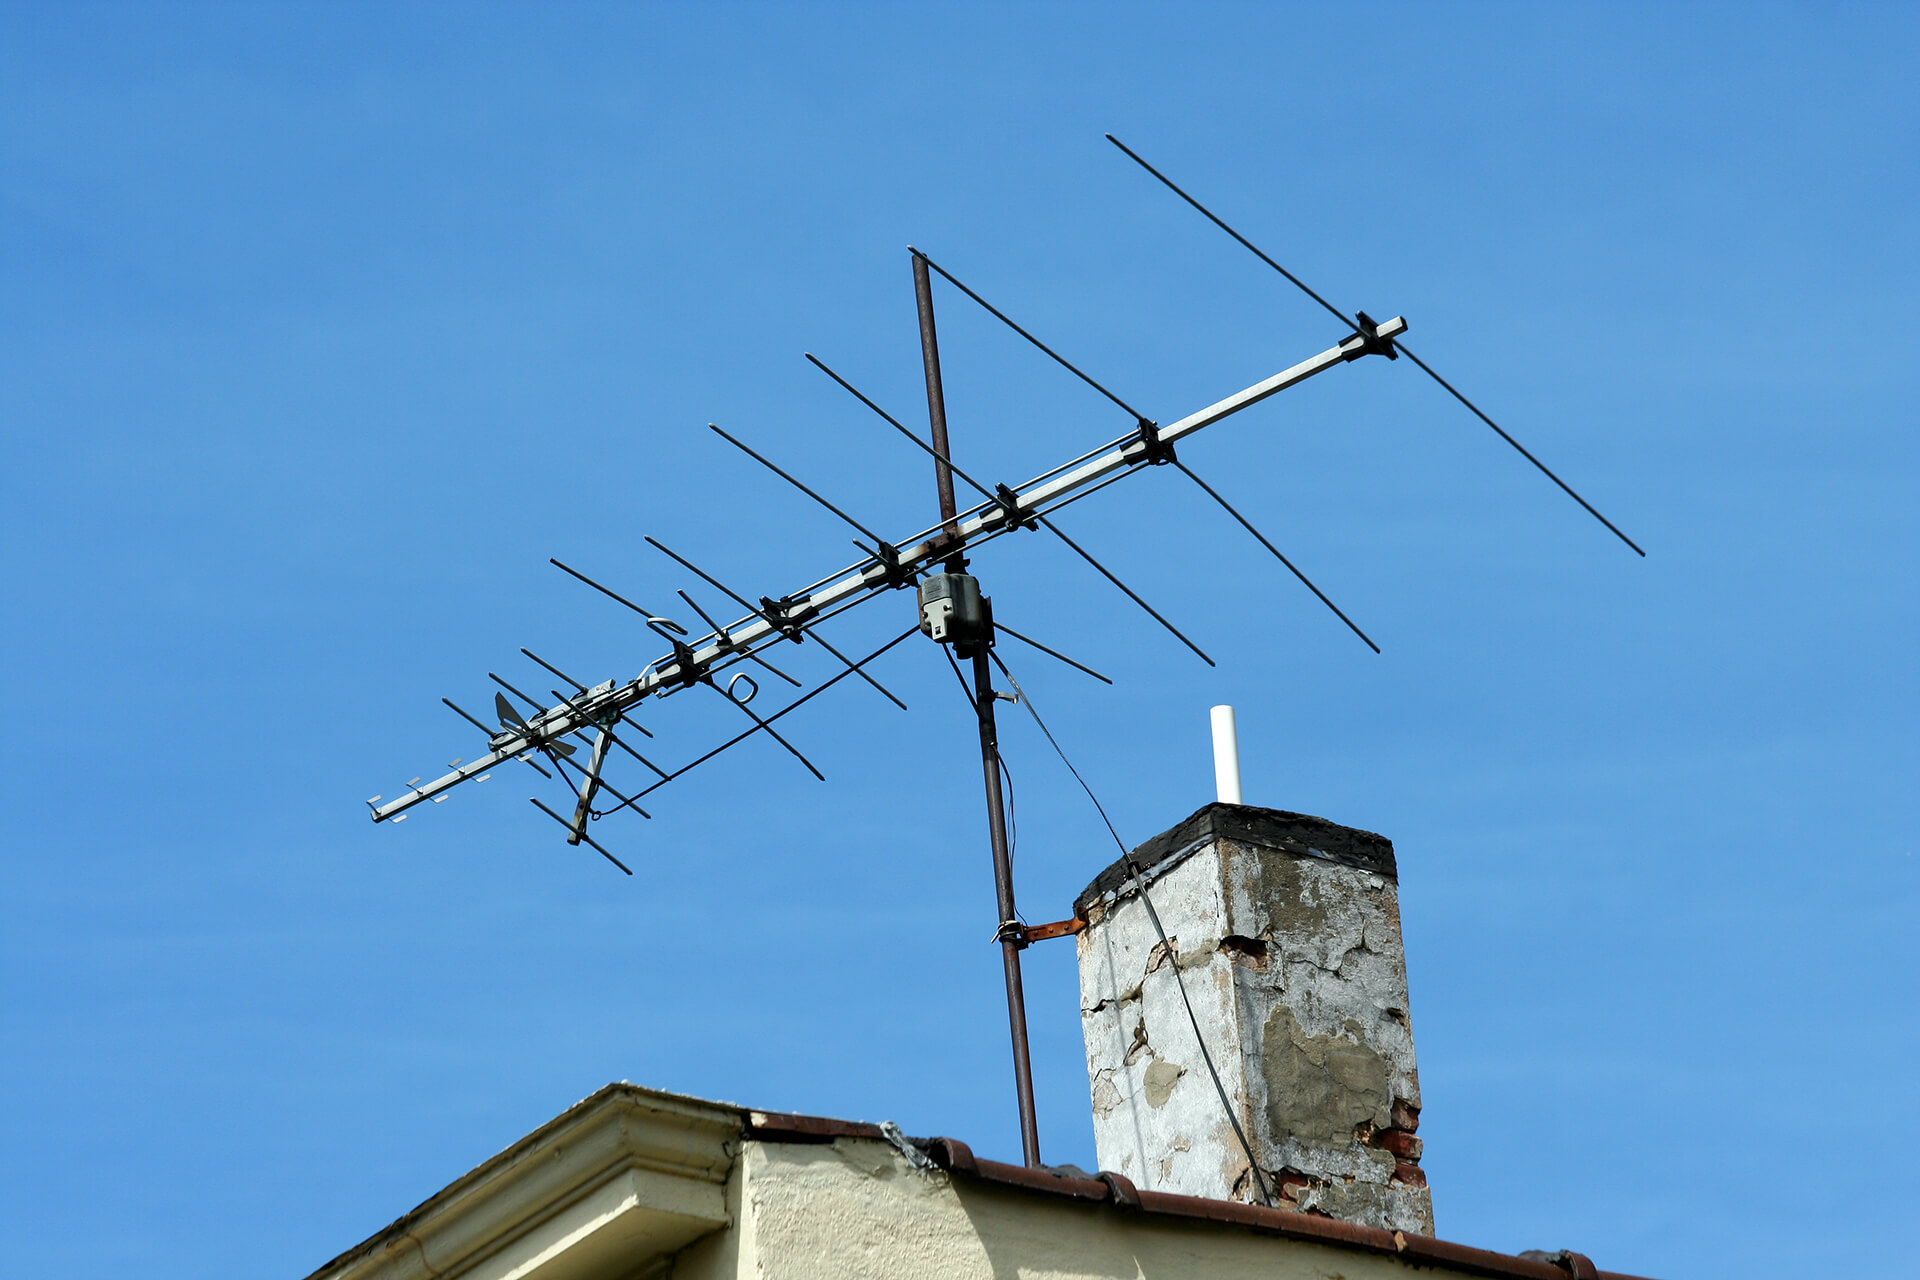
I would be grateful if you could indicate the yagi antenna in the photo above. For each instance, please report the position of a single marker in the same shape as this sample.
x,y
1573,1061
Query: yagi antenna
x,y
1160,452
1012,511
951,610
1393,347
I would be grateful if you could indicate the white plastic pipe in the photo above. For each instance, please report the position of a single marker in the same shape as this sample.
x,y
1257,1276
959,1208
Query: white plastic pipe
x,y
1226,756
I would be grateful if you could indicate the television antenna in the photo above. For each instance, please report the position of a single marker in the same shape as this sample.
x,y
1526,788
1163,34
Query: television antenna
x,y
951,611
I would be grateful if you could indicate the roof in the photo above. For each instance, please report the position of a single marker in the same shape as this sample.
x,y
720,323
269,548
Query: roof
x,y
518,1173
956,1157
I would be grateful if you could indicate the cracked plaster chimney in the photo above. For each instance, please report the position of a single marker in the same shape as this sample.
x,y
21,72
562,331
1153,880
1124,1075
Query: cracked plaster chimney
x,y
1286,929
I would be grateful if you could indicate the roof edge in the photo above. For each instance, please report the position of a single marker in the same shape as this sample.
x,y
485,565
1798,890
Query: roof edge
x,y
726,1122
502,1173
956,1157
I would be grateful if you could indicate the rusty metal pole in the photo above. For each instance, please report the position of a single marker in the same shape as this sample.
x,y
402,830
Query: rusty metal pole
x,y
1012,937
936,396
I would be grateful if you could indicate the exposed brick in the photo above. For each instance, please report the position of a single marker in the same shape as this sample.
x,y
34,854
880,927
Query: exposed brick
x,y
1251,952
1402,1144
1411,1174
1405,1116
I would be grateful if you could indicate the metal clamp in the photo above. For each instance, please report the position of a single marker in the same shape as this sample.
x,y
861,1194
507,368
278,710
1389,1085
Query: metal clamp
x,y
786,614
687,670
1158,452
1012,514
1057,929
1368,342
892,572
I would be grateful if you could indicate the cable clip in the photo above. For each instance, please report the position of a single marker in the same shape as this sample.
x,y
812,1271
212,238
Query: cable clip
x,y
1368,342
1012,931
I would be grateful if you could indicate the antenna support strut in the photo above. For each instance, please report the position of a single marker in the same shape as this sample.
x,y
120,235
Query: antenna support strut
x,y
953,610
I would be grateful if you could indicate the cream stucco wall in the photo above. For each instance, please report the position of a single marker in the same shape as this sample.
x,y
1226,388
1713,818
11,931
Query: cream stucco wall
x,y
635,1184
856,1210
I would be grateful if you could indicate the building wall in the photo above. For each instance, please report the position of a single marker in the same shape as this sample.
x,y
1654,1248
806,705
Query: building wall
x,y
637,1184
856,1210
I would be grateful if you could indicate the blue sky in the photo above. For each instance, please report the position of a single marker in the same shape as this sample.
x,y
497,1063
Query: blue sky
x,y
323,327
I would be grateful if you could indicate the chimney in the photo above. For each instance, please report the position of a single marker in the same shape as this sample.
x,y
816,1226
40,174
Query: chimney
x,y
1285,930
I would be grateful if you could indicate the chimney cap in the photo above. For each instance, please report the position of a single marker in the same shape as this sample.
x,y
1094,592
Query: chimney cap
x,y
1300,834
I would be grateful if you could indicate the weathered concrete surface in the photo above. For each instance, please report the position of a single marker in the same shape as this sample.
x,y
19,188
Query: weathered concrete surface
x,y
1286,931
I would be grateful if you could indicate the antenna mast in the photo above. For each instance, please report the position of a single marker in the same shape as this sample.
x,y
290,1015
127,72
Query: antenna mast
x,y
1011,934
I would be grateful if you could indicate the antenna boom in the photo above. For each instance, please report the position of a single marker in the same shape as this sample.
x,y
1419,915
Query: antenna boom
x,y
671,673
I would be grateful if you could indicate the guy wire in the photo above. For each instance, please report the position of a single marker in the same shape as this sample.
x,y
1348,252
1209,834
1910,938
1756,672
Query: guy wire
x,y
1139,878
1013,820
